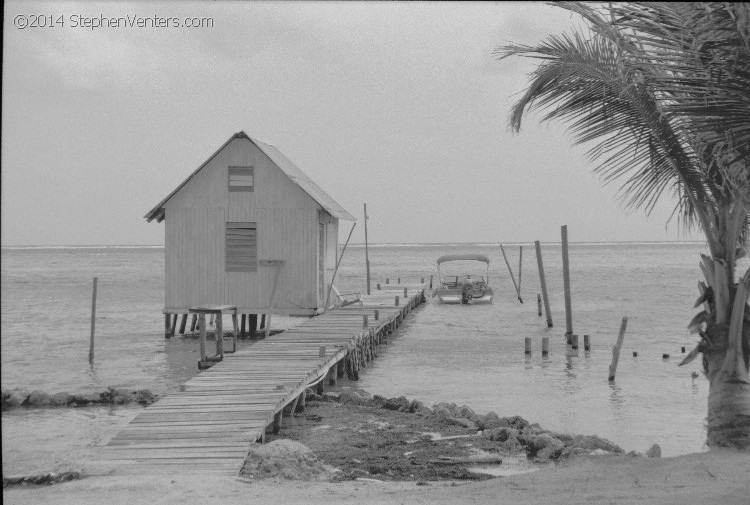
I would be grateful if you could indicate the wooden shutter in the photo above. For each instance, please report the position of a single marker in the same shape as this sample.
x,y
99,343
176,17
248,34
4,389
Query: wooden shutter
x,y
241,179
242,247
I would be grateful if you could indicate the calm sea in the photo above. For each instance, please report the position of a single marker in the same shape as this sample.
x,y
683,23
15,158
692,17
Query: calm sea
x,y
471,355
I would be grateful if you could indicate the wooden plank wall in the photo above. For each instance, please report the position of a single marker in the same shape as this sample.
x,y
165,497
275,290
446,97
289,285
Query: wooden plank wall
x,y
286,218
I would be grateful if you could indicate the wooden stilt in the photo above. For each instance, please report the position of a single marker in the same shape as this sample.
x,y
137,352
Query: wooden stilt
x,y
252,320
540,264
183,322
167,320
277,423
173,326
527,345
262,322
586,343
545,346
574,342
364,321
301,403
396,301
193,322
333,374
340,369
377,314
243,321
539,304
378,286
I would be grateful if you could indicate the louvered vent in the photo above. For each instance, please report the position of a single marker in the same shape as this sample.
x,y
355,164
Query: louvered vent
x,y
242,247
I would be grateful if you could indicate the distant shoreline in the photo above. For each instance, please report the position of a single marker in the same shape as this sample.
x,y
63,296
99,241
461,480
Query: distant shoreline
x,y
379,244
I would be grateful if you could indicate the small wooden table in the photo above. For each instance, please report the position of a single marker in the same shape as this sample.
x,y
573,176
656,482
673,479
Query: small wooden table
x,y
202,310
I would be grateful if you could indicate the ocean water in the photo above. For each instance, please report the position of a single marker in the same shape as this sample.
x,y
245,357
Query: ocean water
x,y
472,355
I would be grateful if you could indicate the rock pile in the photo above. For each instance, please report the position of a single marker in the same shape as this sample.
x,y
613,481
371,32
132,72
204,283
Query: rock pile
x,y
13,398
513,433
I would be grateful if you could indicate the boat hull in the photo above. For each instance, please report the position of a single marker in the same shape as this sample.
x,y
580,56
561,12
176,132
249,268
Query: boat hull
x,y
453,296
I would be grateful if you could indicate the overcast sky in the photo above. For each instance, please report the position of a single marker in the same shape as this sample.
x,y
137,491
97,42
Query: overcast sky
x,y
398,105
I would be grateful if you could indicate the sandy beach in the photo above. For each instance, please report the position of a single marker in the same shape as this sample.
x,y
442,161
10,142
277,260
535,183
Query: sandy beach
x,y
720,476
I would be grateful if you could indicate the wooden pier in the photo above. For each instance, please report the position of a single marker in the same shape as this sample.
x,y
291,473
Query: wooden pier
x,y
209,424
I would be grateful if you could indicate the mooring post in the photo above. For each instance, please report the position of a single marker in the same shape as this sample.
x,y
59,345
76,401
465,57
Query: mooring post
x,y
566,281
93,322
396,300
586,343
243,319
574,342
193,322
173,326
545,346
539,304
616,348
183,322
527,345
540,264
253,323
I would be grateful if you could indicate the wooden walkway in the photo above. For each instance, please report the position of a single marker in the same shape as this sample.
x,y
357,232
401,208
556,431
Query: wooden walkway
x,y
209,424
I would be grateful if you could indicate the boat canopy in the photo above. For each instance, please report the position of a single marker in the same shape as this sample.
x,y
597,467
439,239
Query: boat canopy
x,y
459,257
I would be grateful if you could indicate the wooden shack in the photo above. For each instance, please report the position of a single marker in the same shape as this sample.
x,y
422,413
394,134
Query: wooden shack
x,y
245,225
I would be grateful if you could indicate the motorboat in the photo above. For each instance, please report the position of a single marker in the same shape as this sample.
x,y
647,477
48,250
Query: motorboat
x,y
460,284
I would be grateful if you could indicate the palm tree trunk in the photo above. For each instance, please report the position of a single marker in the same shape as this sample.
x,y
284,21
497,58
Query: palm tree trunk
x,y
726,363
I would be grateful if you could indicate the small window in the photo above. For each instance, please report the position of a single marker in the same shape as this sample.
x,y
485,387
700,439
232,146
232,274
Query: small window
x,y
241,179
242,247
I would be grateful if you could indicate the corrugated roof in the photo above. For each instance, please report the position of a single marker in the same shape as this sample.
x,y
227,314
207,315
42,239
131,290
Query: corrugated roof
x,y
290,169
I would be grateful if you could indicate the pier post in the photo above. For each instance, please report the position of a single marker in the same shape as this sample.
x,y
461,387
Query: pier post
x,y
430,281
364,321
93,322
333,375
322,351
219,336
539,304
166,325
276,423
193,322
586,343
235,331
387,280
574,342
173,326
243,320
540,264
616,348
396,300
566,281
253,323
183,322
527,346
545,346
405,294
377,314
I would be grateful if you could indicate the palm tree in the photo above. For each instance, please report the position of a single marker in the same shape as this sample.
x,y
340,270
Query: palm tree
x,y
661,94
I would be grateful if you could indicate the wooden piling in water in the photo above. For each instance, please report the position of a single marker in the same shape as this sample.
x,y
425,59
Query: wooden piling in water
x,y
545,297
243,320
183,322
566,281
173,326
167,320
431,281
252,320
539,304
527,345
405,293
545,346
574,342
396,301
193,322
93,321
616,348
586,343
364,321
377,315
